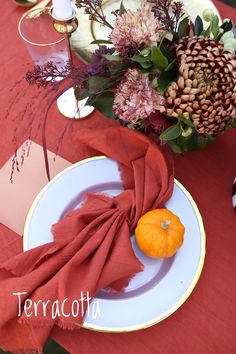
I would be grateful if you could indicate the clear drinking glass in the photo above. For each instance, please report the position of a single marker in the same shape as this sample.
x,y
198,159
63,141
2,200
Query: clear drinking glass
x,y
45,44
41,40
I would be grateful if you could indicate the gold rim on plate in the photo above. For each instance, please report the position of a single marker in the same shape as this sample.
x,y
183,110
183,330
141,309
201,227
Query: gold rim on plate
x,y
187,292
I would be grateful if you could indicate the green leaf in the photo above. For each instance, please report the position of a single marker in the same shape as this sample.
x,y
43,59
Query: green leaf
x,y
215,26
145,52
171,133
227,26
175,147
182,27
154,83
171,65
233,123
2,352
140,58
53,347
146,65
50,347
194,141
119,68
166,77
111,57
101,41
207,32
198,26
103,102
187,122
99,83
158,58
122,8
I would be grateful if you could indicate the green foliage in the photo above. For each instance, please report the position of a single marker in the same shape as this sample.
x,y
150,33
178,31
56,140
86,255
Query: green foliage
x,y
98,84
233,123
103,102
192,142
183,137
172,132
198,26
227,26
111,57
183,26
213,28
166,77
158,58
122,8
51,347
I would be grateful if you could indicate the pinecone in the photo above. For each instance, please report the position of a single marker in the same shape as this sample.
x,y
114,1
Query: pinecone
x,y
206,88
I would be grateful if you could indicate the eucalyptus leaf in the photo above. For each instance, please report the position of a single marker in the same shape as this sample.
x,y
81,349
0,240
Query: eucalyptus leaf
x,y
146,65
101,41
182,27
140,58
198,26
159,59
227,26
53,347
187,122
172,132
103,102
80,94
166,77
194,141
215,29
50,347
233,123
122,8
207,32
111,57
171,65
175,147
99,83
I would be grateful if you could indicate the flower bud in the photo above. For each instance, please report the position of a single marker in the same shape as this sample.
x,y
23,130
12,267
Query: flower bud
x,y
208,15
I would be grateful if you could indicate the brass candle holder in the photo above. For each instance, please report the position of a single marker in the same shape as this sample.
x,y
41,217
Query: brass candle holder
x,y
67,103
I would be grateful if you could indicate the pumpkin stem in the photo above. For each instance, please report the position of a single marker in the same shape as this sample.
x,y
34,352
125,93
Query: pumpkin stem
x,y
165,224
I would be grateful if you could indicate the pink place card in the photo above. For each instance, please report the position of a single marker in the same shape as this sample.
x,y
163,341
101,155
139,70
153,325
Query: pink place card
x,y
17,197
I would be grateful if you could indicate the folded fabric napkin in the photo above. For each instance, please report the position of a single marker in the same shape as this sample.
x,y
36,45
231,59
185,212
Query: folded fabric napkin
x,y
91,248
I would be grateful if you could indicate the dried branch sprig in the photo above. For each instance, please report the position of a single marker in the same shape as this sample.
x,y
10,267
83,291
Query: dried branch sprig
x,y
94,9
168,12
48,74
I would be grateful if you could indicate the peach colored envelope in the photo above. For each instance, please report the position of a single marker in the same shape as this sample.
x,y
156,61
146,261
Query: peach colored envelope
x,y
17,197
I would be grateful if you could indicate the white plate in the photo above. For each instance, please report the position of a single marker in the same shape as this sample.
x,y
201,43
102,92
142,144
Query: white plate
x,y
163,286
88,31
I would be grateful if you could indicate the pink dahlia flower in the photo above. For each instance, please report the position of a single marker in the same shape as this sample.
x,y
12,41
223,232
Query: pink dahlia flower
x,y
135,99
135,30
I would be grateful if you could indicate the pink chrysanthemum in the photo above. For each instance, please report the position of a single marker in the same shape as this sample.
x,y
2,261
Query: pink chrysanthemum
x,y
135,99
136,30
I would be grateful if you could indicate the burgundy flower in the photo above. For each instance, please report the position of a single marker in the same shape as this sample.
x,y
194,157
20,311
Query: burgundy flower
x,y
156,123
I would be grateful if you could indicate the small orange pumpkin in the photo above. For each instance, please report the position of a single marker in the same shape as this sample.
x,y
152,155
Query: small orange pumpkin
x,y
159,233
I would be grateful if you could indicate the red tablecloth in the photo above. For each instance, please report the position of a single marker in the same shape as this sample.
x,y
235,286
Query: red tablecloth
x,y
206,323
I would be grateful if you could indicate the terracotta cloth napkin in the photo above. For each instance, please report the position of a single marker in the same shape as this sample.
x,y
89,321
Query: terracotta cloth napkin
x,y
91,248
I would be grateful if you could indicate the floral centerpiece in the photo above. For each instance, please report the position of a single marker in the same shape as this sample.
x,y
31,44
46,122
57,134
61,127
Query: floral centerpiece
x,y
162,74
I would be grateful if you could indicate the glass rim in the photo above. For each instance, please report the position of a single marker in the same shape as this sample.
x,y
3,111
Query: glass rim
x,y
35,43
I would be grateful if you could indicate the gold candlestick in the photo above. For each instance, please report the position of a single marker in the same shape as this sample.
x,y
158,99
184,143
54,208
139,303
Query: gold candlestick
x,y
67,103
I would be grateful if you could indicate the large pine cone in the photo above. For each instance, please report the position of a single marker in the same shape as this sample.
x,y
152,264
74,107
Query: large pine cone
x,y
206,88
